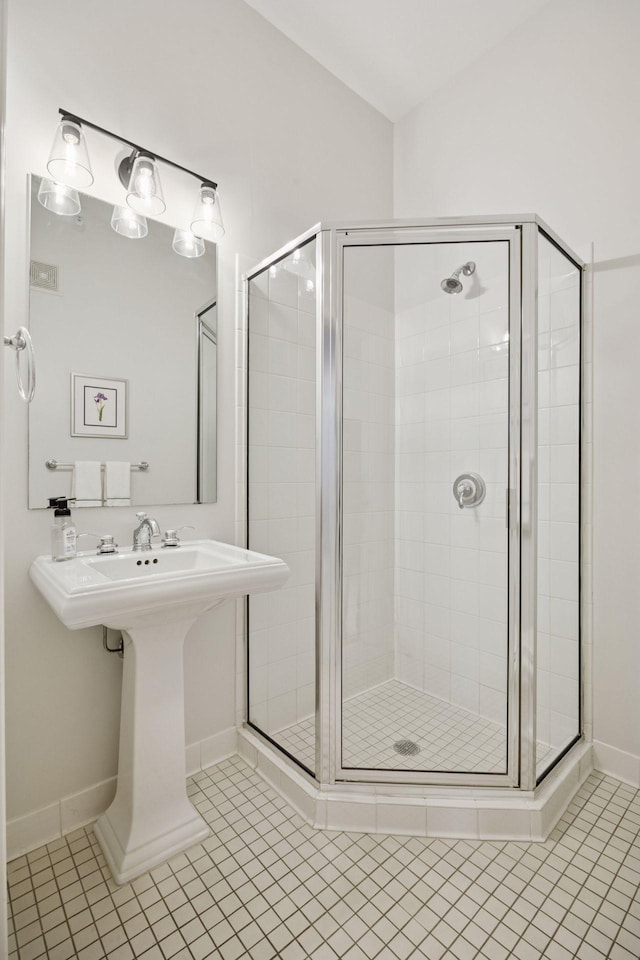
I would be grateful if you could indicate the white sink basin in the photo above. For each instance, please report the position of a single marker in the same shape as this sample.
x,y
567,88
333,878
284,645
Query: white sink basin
x,y
154,597
132,589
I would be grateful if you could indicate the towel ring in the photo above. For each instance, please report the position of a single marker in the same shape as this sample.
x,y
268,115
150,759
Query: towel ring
x,y
20,341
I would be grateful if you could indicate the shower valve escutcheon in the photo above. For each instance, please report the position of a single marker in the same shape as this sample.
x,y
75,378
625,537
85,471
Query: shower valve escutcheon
x,y
469,490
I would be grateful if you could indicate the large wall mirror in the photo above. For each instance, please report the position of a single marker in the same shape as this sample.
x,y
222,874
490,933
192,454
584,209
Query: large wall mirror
x,y
125,332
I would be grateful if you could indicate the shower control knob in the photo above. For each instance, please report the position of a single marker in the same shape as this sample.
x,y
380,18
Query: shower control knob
x,y
469,490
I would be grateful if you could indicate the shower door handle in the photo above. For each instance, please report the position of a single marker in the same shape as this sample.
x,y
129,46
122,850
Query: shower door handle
x,y
469,490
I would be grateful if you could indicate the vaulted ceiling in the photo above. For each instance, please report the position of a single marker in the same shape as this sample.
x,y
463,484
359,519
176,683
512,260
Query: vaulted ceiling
x,y
395,53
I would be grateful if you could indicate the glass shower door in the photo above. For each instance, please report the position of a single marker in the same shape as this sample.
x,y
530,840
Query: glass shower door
x,y
281,499
558,661
430,421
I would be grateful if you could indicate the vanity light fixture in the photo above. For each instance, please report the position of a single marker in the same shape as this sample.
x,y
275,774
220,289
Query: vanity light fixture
x,y
59,198
69,166
69,158
186,244
128,223
207,217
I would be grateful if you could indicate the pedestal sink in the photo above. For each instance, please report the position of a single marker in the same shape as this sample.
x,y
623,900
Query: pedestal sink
x,y
153,597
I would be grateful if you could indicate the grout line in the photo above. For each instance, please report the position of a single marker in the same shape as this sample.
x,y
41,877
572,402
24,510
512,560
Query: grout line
x,y
333,889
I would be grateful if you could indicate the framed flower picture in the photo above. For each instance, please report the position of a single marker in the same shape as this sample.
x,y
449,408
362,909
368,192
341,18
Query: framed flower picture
x,y
98,406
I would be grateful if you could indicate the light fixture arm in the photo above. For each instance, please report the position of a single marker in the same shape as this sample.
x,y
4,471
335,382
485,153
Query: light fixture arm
x,y
67,115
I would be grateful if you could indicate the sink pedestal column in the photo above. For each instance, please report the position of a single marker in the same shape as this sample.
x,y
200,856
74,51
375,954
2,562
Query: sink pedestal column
x,y
151,818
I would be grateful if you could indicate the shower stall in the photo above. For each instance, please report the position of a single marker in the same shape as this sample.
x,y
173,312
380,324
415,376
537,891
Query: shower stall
x,y
413,424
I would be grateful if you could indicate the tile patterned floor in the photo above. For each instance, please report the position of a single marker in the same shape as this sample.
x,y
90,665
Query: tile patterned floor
x,y
266,885
449,737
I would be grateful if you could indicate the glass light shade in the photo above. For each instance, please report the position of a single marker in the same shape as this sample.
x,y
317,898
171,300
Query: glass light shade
x,y
128,223
145,190
207,216
59,198
69,159
187,245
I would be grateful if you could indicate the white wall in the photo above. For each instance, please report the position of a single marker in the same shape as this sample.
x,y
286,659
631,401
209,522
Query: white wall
x,y
213,86
543,122
3,855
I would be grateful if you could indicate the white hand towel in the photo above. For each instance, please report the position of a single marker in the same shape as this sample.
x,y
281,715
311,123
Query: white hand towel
x,y
117,483
86,484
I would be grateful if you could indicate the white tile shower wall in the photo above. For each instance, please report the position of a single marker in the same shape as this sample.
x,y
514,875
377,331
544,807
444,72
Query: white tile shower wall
x,y
452,417
282,436
558,660
368,469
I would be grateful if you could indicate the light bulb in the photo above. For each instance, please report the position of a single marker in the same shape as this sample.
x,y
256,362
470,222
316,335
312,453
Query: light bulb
x,y
207,216
70,134
144,194
144,180
69,159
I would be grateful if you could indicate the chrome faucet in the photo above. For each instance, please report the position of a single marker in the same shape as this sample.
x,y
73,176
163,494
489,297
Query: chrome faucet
x,y
146,529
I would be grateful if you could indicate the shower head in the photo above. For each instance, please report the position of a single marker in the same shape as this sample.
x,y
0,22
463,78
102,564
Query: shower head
x,y
452,284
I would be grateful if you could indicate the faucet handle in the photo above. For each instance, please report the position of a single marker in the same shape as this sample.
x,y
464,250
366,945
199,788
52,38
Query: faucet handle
x,y
141,515
107,543
171,538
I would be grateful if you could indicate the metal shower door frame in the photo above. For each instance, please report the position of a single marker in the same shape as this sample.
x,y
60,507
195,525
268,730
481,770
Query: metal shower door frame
x,y
329,765
532,229
313,234
522,232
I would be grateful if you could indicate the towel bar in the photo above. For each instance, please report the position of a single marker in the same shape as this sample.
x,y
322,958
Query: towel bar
x,y
56,465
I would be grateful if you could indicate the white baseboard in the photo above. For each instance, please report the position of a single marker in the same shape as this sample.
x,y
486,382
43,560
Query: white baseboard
x,y
616,763
70,813
211,750
31,831
477,813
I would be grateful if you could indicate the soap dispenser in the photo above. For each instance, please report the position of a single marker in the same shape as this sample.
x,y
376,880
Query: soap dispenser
x,y
63,530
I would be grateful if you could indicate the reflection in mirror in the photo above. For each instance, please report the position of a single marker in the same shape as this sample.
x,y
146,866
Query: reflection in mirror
x,y
207,352
126,336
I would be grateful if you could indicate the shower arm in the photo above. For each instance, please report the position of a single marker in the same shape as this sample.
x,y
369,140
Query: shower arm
x,y
467,268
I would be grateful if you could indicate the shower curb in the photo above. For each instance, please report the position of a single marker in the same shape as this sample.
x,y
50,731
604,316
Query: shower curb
x,y
476,813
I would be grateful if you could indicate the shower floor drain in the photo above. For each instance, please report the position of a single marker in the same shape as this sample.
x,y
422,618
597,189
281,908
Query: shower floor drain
x,y
406,747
